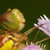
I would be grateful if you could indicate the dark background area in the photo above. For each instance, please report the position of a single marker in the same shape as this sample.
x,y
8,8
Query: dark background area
x,y
31,9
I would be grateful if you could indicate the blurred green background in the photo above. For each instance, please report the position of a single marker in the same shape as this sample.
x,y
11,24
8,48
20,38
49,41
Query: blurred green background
x,y
31,9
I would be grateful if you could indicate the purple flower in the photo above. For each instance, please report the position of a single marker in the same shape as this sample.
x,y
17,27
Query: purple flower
x,y
46,24
32,47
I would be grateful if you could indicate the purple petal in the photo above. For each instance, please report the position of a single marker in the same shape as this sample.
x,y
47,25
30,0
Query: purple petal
x,y
45,17
42,18
32,47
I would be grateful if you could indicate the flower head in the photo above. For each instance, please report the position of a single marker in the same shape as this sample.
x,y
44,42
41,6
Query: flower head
x,y
46,24
32,47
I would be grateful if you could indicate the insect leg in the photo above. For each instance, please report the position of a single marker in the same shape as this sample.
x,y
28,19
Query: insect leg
x,y
36,35
42,40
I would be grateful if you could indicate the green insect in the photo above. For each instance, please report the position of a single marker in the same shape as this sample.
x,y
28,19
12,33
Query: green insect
x,y
13,21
